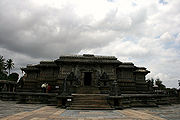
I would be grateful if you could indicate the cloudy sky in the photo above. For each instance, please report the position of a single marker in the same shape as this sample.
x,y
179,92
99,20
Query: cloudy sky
x,y
145,32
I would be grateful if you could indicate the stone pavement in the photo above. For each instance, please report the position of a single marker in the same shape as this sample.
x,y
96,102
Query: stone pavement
x,y
52,113
10,107
41,112
169,112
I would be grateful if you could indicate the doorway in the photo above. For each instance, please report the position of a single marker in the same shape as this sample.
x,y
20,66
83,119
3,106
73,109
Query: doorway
x,y
87,78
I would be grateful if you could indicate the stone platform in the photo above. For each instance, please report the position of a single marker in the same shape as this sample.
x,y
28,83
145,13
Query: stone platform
x,y
39,112
90,102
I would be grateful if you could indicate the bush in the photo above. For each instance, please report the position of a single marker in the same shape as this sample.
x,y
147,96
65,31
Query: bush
x,y
13,77
3,76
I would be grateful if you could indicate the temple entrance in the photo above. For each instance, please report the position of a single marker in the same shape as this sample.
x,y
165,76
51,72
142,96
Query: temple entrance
x,y
87,78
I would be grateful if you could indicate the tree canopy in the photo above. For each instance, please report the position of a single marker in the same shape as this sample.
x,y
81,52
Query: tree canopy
x,y
9,64
13,77
2,63
3,76
158,82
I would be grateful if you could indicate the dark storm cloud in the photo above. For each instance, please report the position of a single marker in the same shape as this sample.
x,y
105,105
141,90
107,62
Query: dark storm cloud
x,y
45,32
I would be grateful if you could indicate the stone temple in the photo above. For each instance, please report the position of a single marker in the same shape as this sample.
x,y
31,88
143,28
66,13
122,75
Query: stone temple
x,y
87,82
86,73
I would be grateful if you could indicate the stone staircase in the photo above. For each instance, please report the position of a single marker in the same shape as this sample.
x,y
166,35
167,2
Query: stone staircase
x,y
87,90
90,101
89,97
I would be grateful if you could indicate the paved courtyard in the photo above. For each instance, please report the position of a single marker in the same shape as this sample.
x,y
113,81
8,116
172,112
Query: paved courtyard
x,y
12,111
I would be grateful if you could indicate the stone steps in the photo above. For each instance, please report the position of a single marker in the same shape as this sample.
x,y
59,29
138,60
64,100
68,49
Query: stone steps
x,y
89,101
87,90
90,98
89,105
97,108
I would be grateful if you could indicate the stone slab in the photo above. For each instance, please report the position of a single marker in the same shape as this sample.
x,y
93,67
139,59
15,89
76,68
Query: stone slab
x,y
53,113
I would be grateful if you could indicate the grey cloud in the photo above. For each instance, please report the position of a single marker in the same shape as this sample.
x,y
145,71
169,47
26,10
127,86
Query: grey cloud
x,y
46,32
49,32
30,33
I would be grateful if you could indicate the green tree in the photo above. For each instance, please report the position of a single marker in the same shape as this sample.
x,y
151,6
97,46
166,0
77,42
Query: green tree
x,y
150,83
3,76
9,65
158,82
13,77
2,63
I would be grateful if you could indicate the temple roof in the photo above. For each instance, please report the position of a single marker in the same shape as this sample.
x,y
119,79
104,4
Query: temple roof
x,y
46,64
29,68
142,70
88,58
127,65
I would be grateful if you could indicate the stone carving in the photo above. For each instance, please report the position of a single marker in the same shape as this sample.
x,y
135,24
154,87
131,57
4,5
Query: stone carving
x,y
70,78
115,91
65,89
74,81
103,80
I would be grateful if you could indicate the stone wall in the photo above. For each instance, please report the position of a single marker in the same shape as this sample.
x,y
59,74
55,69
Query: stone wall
x,y
130,78
45,72
126,80
141,85
31,82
